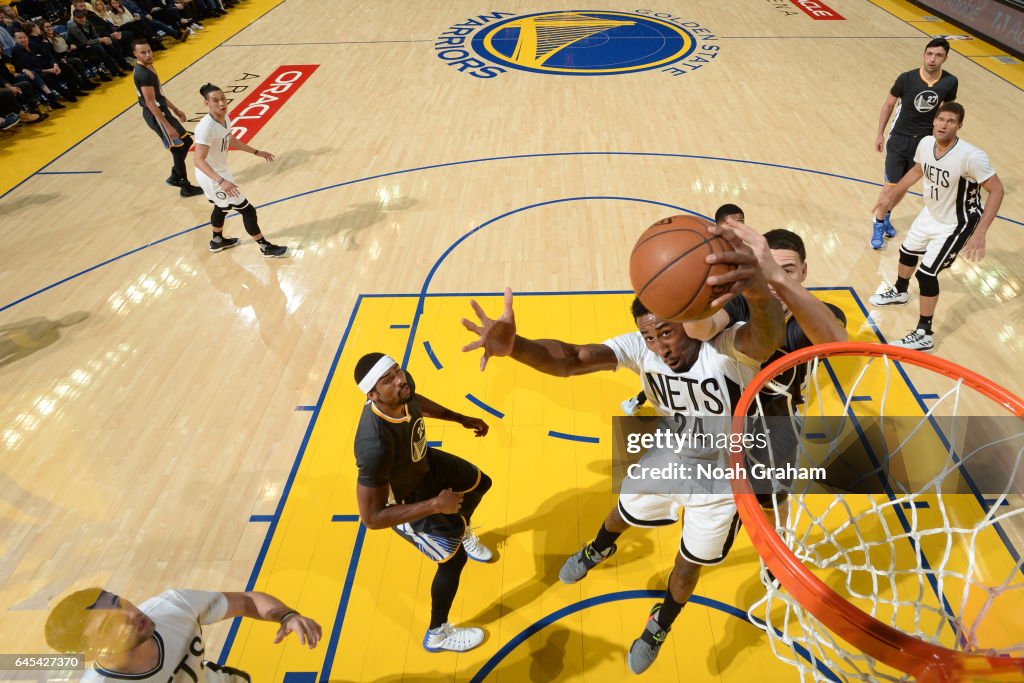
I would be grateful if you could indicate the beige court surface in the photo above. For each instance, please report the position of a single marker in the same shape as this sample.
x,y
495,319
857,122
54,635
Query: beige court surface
x,y
176,418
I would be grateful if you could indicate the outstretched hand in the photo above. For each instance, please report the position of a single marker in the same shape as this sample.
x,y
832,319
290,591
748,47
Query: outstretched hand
x,y
496,337
307,630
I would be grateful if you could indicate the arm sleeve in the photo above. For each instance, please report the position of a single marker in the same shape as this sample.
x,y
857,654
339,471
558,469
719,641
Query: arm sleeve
x,y
628,349
205,606
979,167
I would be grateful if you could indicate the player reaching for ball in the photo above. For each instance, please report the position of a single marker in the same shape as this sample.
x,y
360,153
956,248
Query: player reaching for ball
x,y
668,362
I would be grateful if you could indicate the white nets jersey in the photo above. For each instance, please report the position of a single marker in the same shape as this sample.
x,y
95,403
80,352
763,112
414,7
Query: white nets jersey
x,y
952,183
179,616
710,387
211,133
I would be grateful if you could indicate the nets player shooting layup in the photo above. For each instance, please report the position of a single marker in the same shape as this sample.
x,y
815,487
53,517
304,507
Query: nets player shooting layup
x,y
915,95
953,217
668,362
213,140
426,495
156,111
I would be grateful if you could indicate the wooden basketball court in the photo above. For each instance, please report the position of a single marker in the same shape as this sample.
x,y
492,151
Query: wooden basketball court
x,y
178,418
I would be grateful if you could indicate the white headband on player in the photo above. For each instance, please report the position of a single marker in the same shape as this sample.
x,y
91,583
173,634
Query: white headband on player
x,y
379,369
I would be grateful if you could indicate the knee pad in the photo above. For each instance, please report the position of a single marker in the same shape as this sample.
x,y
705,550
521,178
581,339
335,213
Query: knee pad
x,y
217,217
907,259
929,284
248,212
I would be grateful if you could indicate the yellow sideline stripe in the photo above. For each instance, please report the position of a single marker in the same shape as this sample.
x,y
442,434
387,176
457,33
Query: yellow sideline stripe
x,y
982,53
31,148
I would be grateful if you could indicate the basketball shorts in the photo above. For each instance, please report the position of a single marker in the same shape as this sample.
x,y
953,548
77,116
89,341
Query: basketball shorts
x,y
899,156
159,130
439,536
710,521
217,196
936,244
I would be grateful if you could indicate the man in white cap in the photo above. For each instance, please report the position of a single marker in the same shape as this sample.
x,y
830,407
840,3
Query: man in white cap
x,y
426,495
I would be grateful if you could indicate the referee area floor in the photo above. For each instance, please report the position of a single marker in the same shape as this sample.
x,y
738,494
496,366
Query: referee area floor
x,y
175,418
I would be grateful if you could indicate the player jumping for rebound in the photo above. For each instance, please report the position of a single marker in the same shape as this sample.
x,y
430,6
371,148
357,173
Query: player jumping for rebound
x,y
667,360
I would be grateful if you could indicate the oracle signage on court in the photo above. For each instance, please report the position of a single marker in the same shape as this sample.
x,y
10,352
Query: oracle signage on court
x,y
576,43
252,113
818,10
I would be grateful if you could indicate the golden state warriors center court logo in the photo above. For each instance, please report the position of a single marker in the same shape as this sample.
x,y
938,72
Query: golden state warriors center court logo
x,y
576,43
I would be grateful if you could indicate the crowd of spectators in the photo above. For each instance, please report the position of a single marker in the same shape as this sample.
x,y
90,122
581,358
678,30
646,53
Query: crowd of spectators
x,y
54,54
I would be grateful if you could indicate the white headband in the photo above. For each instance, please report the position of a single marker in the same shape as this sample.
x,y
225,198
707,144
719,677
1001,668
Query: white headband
x,y
379,369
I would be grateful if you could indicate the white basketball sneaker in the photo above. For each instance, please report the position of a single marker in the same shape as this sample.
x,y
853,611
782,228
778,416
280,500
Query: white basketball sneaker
x,y
475,547
447,637
918,340
888,298
630,406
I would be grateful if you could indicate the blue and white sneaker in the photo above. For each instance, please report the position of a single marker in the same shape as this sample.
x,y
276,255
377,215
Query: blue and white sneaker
x,y
890,231
878,231
448,638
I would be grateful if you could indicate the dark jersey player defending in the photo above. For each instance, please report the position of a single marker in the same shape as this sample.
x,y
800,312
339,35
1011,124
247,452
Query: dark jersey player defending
x,y
156,110
426,495
916,95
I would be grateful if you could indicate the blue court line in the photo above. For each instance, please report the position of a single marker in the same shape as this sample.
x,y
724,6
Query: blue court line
x,y
449,164
346,592
568,610
433,444
928,397
344,518
919,504
573,437
262,518
1007,542
862,397
286,491
301,408
431,356
483,406
299,677
66,172
399,327
816,435
989,502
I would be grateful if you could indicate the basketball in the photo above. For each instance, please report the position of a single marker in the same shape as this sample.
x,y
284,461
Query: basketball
x,y
668,271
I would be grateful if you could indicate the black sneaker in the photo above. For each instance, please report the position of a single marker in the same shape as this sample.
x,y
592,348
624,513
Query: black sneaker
x,y
175,181
273,251
190,191
223,243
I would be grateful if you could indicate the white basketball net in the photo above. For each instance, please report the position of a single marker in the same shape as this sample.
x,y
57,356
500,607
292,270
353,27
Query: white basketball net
x,y
929,557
